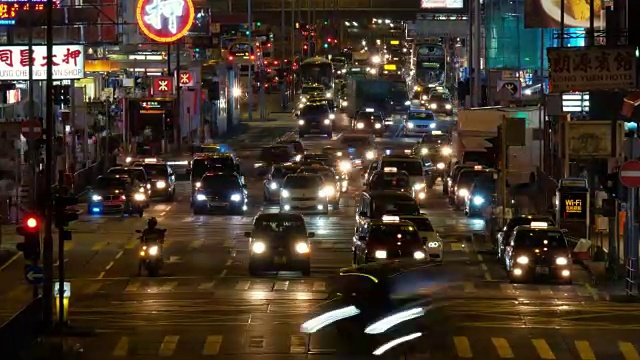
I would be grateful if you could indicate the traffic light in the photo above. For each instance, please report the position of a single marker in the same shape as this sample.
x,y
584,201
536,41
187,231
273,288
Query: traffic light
x,y
326,45
30,230
63,216
326,21
258,24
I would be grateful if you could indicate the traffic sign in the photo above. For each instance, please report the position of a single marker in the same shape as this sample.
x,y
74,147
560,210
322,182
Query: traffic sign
x,y
512,86
630,174
33,274
185,78
26,128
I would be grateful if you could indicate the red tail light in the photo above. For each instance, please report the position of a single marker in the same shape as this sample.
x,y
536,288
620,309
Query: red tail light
x,y
230,58
252,57
31,223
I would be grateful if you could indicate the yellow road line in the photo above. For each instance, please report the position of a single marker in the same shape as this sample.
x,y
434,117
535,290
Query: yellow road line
x,y
584,350
132,243
122,348
99,245
463,348
168,345
298,344
628,350
503,348
212,345
68,245
169,286
543,349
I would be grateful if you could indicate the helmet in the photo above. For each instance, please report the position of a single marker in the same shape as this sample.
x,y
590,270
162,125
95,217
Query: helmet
x,y
152,222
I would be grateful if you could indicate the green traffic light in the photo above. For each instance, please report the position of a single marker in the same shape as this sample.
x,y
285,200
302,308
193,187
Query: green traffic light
x,y
326,45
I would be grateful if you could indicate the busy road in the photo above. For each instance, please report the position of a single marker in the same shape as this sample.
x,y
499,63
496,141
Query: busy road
x,y
204,303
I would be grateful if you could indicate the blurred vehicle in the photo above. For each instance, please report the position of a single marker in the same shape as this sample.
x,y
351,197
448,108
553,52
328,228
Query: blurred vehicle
x,y
429,236
331,186
310,90
323,158
204,163
273,155
413,167
369,121
450,180
273,181
295,146
163,180
440,103
117,193
360,148
419,121
315,118
220,192
465,180
504,235
390,179
374,204
482,194
137,174
304,192
388,239
278,242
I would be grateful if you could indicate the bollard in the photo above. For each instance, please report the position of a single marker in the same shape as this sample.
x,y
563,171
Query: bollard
x,y
66,295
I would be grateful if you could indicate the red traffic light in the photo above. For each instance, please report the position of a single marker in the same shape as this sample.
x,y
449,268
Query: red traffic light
x,y
31,223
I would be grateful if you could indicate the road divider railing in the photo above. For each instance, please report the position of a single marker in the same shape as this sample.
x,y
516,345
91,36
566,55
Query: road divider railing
x,y
19,333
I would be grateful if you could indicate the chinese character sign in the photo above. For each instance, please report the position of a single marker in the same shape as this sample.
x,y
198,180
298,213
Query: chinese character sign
x,y
9,9
597,68
573,205
67,62
165,20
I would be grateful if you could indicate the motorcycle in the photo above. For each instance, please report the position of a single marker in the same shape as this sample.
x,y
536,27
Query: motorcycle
x,y
151,255
137,203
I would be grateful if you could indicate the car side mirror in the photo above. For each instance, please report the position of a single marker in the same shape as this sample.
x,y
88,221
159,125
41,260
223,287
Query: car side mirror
x,y
311,234
138,231
247,234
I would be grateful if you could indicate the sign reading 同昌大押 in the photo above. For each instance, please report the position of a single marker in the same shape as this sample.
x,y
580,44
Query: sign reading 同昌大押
x,y
596,68
67,62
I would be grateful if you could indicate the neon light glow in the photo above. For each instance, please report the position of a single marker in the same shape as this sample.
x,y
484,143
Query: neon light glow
x,y
165,20
9,9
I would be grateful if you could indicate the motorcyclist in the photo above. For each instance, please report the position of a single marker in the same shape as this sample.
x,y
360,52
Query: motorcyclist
x,y
152,233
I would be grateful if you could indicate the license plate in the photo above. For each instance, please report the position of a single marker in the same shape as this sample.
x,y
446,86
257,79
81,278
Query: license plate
x,y
216,203
112,203
280,260
542,270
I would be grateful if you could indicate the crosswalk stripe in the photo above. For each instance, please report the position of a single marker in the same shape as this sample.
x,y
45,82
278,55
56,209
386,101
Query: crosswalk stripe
x,y
584,350
507,288
545,290
169,286
281,285
99,245
628,350
243,285
92,288
212,345
196,244
122,348
503,348
319,286
168,345
583,290
132,243
463,348
132,286
457,246
206,286
543,349
256,342
298,344
469,287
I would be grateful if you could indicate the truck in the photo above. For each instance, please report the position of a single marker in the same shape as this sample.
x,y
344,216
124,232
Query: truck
x,y
368,93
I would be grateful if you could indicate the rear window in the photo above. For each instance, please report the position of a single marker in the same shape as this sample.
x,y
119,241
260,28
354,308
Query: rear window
x,y
469,176
220,182
155,169
422,224
275,154
316,109
110,183
302,182
306,90
540,238
394,233
137,174
282,172
200,167
421,116
368,117
395,207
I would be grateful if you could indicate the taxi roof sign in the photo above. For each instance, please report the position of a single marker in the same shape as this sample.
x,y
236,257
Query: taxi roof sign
x,y
477,167
150,160
390,67
369,110
390,170
436,132
394,42
539,224
390,218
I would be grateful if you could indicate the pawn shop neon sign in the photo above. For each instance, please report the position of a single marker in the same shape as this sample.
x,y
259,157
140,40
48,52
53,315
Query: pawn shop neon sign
x,y
165,20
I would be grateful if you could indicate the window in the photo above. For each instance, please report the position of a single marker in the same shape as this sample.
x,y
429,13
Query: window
x,y
275,225
302,182
422,224
105,183
199,167
396,207
421,116
306,90
220,182
315,110
540,238
156,169
413,168
275,154
394,233
280,173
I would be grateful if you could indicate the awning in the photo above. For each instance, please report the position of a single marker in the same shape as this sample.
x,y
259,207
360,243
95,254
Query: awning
x,y
475,144
630,102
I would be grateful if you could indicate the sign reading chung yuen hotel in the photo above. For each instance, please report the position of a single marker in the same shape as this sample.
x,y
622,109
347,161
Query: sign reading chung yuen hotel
x,y
67,62
595,68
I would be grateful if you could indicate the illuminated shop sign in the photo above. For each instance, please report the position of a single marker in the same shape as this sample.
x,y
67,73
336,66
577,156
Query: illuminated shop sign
x,y
573,206
10,9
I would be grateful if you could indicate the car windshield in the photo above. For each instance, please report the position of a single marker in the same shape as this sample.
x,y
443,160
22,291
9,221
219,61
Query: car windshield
x,y
327,174
272,225
526,221
540,238
413,168
220,182
396,207
423,224
302,182
421,116
439,97
104,183
201,166
394,233
382,181
155,169
275,154
306,90
315,109
468,177
368,117
137,174
280,173
240,48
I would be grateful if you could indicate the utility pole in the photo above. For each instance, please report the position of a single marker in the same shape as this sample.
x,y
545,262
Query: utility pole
x,y
176,76
31,142
477,54
293,48
503,169
47,257
283,31
251,67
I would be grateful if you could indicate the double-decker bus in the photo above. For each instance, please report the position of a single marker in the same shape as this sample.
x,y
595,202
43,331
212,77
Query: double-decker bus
x,y
431,63
317,70
248,56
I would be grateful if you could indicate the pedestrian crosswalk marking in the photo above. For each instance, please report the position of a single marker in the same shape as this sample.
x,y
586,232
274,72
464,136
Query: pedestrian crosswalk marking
x,y
168,345
99,245
583,291
628,350
122,348
298,344
206,286
212,345
319,286
469,287
256,342
281,285
507,288
543,349
457,246
463,348
584,350
91,288
132,286
503,348
545,290
168,286
243,285
196,244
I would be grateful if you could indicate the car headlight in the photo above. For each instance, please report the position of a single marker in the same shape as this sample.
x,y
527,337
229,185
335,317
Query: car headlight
x,y
370,155
440,166
322,193
161,184
300,122
377,125
128,159
407,103
300,106
522,260
153,251
380,254
448,106
418,186
201,197
410,125
433,106
360,125
424,97
432,126
446,150
344,103
418,255
562,261
345,166
198,184
332,116
142,190
236,197
463,192
434,244
328,94
258,247
284,193
328,191
424,151
478,200
139,197
273,185
327,121
96,198
302,248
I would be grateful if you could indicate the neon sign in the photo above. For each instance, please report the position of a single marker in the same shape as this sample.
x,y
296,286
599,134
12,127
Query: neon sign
x,y
10,9
165,20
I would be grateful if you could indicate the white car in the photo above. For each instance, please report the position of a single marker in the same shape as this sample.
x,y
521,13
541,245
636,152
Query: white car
x,y
428,235
420,122
304,192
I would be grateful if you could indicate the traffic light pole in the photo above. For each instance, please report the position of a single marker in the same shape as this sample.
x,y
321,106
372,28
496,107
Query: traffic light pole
x,y
251,67
47,256
31,142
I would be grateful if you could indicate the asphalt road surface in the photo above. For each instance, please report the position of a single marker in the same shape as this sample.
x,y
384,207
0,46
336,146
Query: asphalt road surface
x,y
205,305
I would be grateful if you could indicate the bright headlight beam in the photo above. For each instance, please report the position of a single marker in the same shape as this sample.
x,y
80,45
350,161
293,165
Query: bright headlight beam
x,y
384,348
318,322
388,322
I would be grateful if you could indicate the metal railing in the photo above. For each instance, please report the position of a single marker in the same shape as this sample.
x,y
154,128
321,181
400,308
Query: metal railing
x,y
630,279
